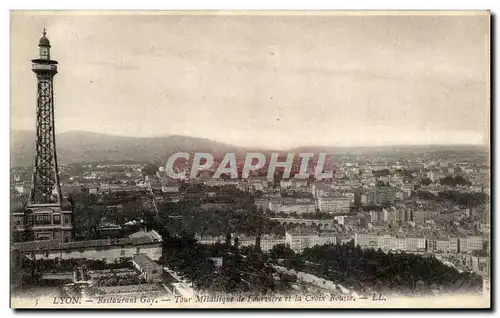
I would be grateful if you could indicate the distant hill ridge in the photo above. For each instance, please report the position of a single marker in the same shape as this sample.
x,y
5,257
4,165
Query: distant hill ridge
x,y
79,146
82,146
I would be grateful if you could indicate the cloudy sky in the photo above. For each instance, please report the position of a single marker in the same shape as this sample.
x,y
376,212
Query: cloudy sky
x,y
268,80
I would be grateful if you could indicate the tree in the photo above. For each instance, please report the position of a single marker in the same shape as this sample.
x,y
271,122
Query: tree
x,y
380,271
228,238
426,181
281,251
454,181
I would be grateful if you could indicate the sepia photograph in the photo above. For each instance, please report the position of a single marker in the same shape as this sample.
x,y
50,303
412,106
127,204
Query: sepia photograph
x,y
250,159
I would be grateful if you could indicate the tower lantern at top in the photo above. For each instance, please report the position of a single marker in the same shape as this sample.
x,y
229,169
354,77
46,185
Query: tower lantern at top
x,y
44,46
43,65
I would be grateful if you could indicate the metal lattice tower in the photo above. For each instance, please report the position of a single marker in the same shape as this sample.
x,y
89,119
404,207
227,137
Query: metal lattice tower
x,y
47,216
45,182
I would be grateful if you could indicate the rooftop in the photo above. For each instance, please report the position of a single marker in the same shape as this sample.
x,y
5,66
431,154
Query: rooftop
x,y
141,288
146,263
134,239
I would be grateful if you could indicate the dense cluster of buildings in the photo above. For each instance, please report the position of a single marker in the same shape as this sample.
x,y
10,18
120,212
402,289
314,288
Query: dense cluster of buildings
x,y
380,182
433,243
299,239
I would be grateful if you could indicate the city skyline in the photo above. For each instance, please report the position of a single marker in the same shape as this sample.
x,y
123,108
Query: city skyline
x,y
250,160
252,92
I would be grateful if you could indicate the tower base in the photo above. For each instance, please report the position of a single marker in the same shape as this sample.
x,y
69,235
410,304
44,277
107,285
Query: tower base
x,y
48,222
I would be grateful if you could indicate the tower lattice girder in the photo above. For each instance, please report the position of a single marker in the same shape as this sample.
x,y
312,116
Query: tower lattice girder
x,y
45,169
47,216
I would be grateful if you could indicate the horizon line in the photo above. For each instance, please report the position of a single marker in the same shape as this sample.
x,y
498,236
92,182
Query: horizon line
x,y
383,145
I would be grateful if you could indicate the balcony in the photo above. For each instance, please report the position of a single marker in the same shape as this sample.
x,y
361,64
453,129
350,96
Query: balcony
x,y
51,226
44,67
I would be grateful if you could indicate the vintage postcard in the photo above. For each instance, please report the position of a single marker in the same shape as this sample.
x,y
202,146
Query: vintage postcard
x,y
245,159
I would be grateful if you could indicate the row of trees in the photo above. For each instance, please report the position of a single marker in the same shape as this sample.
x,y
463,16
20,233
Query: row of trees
x,y
188,216
454,181
373,270
88,211
449,181
242,270
468,199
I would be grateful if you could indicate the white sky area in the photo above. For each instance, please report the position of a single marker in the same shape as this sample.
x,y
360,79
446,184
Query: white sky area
x,y
263,80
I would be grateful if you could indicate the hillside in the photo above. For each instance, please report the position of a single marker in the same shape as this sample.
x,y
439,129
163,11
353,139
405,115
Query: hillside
x,y
78,146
